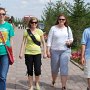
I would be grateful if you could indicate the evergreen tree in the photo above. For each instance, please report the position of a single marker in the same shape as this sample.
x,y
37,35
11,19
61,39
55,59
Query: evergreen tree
x,y
79,17
51,13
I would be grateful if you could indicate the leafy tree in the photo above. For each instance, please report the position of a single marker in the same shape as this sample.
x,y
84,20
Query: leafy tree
x,y
47,15
79,15
51,12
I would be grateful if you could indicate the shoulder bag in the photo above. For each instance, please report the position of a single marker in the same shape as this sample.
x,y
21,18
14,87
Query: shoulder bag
x,y
68,45
9,50
33,37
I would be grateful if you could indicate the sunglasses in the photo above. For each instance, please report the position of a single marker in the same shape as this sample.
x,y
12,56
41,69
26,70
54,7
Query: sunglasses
x,y
3,14
33,22
61,19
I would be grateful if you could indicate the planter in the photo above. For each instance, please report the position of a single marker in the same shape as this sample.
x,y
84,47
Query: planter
x,y
77,64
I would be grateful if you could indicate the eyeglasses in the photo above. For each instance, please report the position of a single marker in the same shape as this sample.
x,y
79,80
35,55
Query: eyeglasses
x,y
34,22
61,19
3,14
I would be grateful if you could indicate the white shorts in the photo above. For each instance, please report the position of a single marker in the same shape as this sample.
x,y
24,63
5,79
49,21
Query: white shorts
x,y
87,69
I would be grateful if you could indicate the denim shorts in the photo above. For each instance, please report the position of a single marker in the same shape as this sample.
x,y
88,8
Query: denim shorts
x,y
59,61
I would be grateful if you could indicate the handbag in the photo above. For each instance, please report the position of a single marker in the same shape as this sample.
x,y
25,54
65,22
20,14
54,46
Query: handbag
x,y
9,51
33,37
68,45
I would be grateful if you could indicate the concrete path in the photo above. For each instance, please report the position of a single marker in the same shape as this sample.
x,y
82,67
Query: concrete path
x,y
17,78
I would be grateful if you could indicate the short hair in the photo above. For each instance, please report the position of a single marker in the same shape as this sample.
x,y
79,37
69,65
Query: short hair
x,y
1,8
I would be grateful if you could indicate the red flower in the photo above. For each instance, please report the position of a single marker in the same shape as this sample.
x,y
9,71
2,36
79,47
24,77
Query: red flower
x,y
75,55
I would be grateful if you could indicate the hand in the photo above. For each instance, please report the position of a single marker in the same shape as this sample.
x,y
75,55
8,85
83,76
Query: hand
x,y
45,56
68,42
48,55
82,61
20,56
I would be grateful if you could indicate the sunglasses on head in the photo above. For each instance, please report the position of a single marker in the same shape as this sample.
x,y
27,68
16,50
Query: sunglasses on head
x,y
34,22
2,14
62,19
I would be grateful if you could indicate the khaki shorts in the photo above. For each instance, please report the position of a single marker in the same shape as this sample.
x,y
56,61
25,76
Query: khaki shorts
x,y
87,69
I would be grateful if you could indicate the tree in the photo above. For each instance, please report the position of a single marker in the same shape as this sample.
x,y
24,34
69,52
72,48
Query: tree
x,y
79,15
51,13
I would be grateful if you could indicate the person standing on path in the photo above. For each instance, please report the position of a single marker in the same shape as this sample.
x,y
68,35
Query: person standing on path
x,y
33,51
85,54
58,48
11,22
7,31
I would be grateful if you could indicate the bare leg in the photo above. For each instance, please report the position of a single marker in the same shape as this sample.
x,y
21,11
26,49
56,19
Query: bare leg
x,y
88,80
64,80
37,82
54,77
30,79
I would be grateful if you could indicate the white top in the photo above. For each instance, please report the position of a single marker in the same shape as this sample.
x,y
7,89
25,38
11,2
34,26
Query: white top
x,y
57,37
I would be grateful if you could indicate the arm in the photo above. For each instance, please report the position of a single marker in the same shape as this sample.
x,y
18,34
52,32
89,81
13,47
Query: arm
x,y
48,52
84,41
83,53
22,47
49,41
11,41
44,46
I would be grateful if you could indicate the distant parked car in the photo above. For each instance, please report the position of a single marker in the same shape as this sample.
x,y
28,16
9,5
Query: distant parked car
x,y
41,26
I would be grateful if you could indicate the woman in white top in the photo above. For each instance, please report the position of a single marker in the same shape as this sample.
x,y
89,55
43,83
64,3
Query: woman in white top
x,y
58,49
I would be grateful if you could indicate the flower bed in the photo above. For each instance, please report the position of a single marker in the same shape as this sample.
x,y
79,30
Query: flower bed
x,y
75,59
76,56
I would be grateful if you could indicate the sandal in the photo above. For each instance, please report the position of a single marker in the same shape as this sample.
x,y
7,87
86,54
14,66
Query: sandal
x,y
31,88
37,86
53,82
63,88
88,88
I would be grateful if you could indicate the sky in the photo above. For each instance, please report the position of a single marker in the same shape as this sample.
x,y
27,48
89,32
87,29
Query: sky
x,y
21,8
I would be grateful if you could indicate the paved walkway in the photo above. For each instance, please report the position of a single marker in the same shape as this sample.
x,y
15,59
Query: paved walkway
x,y
17,79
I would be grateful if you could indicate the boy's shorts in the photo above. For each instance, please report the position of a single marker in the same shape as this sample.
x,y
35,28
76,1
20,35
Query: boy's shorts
x,y
87,69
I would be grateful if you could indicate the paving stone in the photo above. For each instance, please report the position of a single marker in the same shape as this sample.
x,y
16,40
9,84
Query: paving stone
x,y
17,79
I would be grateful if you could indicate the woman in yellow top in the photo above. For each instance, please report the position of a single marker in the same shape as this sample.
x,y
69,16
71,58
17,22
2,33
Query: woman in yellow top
x,y
33,51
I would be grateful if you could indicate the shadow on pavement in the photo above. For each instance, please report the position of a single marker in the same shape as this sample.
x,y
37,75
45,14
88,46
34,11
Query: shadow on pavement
x,y
15,86
23,84
77,79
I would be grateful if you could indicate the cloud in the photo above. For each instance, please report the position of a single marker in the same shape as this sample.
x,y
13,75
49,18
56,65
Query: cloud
x,y
44,1
24,3
3,0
